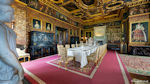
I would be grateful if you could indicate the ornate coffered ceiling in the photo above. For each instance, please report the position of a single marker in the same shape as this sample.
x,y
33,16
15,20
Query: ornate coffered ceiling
x,y
90,11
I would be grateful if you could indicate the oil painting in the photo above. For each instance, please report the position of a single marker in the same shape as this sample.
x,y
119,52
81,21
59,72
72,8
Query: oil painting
x,y
139,32
48,26
36,24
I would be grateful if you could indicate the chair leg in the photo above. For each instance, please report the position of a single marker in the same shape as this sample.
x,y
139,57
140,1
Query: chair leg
x,y
81,69
66,65
24,59
74,62
59,63
96,64
28,58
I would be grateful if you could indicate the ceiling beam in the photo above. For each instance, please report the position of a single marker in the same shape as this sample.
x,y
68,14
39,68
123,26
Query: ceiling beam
x,y
74,11
60,10
63,4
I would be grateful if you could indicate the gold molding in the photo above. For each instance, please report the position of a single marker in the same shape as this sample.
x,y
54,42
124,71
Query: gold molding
x,y
86,6
110,16
63,4
139,14
114,7
60,10
41,29
51,27
74,11
20,2
124,20
136,3
59,1
65,10
56,8
52,17
139,43
89,30
98,14
101,21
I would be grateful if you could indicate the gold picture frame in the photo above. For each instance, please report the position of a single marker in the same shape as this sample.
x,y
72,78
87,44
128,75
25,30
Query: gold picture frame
x,y
36,24
49,27
138,33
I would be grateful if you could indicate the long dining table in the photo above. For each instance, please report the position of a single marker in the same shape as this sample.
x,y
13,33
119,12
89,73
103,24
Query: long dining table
x,y
81,53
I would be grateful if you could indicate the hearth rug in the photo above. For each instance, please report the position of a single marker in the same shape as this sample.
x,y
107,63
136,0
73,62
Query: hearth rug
x,y
74,67
137,64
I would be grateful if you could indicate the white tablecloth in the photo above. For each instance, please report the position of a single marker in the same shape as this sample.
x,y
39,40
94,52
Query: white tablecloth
x,y
81,53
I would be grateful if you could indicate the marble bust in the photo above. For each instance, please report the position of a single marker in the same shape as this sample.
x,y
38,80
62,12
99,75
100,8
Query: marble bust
x,y
11,71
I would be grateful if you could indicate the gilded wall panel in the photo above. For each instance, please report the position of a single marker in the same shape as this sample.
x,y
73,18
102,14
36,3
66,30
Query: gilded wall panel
x,y
139,21
140,17
34,14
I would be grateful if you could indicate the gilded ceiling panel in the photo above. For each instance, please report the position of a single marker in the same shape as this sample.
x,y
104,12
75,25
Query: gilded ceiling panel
x,y
94,10
70,7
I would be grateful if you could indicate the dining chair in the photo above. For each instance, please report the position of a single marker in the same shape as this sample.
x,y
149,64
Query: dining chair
x,y
73,45
23,55
64,58
59,48
100,50
103,51
77,45
67,46
80,44
94,57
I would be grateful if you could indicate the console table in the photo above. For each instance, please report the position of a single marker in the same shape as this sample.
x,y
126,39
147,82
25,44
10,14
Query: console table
x,y
113,46
140,50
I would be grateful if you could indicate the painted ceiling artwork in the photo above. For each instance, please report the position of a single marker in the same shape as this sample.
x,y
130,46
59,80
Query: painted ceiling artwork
x,y
93,10
89,11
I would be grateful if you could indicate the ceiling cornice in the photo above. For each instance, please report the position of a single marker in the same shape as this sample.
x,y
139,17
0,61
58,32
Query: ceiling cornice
x,y
135,3
103,16
102,21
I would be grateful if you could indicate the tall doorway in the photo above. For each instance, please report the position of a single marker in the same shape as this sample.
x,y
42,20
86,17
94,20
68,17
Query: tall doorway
x,y
61,35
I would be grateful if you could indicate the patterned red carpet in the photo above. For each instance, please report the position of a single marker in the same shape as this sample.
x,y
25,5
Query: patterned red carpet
x,y
75,66
137,64
47,71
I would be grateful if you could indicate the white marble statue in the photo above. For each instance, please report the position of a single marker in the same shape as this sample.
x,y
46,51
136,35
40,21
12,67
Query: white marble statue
x,y
11,72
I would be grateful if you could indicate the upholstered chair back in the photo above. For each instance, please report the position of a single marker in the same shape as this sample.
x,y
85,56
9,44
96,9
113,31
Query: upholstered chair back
x,y
59,47
73,45
67,46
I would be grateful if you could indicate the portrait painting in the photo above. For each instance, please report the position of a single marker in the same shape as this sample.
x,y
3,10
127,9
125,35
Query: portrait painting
x,y
139,32
48,26
36,24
